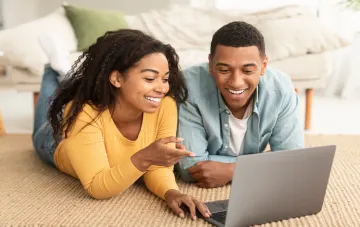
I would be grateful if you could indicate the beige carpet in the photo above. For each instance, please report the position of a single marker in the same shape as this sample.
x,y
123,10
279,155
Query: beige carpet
x,y
32,194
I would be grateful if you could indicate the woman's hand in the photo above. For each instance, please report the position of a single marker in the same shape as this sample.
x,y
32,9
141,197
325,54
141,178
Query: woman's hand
x,y
175,199
160,153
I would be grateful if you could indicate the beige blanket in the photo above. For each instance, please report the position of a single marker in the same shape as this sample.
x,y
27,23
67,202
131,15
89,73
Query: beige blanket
x,y
289,31
33,194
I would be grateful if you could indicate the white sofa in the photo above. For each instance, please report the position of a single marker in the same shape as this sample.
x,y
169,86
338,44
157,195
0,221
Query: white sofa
x,y
296,43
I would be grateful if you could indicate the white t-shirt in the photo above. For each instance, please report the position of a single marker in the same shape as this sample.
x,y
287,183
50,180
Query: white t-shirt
x,y
238,129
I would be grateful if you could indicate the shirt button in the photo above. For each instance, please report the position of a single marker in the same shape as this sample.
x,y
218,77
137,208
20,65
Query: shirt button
x,y
227,111
226,146
226,125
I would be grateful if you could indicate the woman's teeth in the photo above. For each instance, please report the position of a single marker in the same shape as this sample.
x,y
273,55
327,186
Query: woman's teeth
x,y
236,92
153,99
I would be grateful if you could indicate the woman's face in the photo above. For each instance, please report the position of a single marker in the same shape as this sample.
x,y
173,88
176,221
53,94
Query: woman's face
x,y
145,84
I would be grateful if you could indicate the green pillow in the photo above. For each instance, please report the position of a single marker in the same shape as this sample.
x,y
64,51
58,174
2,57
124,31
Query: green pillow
x,y
89,24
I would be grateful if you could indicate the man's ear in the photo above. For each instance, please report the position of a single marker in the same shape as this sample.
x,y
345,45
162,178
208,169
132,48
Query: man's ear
x,y
264,65
116,79
210,64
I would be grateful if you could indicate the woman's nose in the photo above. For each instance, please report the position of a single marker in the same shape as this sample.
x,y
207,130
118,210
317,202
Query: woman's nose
x,y
162,87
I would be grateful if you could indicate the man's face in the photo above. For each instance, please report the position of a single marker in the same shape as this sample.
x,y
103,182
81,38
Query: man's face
x,y
237,71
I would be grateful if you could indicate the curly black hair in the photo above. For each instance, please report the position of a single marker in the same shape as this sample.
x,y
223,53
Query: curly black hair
x,y
88,80
238,34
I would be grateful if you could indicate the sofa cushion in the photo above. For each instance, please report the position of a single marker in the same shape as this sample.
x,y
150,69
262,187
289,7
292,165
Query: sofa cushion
x,y
24,76
289,31
299,35
306,67
89,24
20,44
74,56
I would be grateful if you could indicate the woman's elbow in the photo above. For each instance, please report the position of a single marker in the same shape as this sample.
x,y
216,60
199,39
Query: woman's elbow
x,y
101,195
100,191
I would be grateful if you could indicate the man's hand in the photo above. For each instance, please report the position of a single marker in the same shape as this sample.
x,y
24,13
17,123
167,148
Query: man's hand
x,y
211,174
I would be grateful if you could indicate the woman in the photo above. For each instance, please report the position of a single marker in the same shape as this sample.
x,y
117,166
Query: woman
x,y
114,117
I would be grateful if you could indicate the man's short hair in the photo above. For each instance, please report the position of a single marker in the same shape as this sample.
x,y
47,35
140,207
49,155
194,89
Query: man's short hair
x,y
238,34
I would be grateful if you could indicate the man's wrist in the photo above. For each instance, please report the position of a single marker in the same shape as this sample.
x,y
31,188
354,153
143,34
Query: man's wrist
x,y
230,167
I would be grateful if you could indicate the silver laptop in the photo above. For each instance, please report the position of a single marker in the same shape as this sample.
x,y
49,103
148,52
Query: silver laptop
x,y
275,186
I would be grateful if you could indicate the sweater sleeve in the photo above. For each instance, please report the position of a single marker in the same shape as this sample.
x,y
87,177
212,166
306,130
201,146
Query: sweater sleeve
x,y
86,151
159,179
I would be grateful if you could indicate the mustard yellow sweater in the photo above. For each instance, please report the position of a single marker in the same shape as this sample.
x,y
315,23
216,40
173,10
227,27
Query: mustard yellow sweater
x,y
99,155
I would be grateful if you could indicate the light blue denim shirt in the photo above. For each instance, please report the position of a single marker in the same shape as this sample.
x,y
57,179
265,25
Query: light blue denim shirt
x,y
204,119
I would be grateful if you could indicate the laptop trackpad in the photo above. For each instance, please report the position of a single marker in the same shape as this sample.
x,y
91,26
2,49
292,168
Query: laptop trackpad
x,y
218,206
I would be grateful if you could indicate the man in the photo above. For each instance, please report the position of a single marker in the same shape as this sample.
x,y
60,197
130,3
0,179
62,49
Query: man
x,y
237,106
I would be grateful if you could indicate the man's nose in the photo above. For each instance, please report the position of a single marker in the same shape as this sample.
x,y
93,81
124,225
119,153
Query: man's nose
x,y
237,80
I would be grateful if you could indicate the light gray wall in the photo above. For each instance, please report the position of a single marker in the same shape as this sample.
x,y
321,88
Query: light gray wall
x,y
20,11
128,6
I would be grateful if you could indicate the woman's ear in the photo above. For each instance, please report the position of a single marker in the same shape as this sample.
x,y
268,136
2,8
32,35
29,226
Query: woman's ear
x,y
116,78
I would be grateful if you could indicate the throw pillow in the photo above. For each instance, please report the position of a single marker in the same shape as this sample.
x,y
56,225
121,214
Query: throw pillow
x,y
89,24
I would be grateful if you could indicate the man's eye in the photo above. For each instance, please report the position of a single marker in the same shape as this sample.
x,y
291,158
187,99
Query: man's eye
x,y
223,70
248,72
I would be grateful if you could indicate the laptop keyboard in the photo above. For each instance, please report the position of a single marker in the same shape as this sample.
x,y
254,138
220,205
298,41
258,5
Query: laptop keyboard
x,y
219,216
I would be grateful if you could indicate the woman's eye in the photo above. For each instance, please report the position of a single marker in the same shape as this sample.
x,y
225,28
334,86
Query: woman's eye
x,y
165,80
149,79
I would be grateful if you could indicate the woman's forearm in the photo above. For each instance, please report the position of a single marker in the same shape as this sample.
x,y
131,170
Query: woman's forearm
x,y
159,180
113,181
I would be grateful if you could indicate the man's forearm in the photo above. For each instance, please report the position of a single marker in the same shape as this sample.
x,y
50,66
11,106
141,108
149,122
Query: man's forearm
x,y
222,158
229,164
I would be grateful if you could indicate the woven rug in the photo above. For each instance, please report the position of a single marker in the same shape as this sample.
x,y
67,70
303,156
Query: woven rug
x,y
33,194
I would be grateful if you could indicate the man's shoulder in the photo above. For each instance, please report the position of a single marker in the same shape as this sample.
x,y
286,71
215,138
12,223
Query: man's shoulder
x,y
276,81
274,87
199,72
199,81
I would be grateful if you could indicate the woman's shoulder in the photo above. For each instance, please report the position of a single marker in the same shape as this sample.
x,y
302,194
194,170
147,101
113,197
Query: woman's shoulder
x,y
167,107
87,112
167,102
